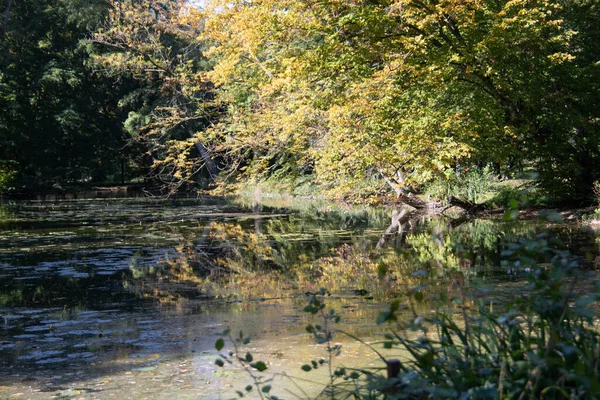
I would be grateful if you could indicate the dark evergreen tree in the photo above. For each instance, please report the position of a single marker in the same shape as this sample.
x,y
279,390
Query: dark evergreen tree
x,y
60,122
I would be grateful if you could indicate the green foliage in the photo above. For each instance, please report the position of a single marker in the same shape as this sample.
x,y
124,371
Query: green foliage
x,y
545,343
155,45
362,97
509,193
323,332
595,214
7,177
472,184
360,90
596,189
59,120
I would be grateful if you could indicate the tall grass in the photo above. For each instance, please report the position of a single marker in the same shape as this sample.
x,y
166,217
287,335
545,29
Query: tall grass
x,y
474,184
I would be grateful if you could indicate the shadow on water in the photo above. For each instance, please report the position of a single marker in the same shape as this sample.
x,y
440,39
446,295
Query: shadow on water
x,y
97,294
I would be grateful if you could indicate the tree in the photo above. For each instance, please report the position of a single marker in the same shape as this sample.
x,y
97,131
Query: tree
x,y
155,43
403,89
59,122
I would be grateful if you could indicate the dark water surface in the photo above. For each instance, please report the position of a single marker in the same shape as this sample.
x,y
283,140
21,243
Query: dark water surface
x,y
124,298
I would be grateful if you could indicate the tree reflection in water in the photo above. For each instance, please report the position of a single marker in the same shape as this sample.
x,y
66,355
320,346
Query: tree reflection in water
x,y
275,257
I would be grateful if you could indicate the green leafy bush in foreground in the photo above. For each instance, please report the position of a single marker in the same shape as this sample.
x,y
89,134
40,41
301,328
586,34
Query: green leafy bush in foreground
x,y
541,344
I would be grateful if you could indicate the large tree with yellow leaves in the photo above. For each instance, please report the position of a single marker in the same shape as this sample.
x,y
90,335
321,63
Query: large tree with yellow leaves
x,y
403,89
373,95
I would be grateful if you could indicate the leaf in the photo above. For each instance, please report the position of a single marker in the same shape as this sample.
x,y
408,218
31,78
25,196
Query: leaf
x,y
385,316
266,389
259,365
219,362
249,357
425,360
382,270
306,367
419,296
220,344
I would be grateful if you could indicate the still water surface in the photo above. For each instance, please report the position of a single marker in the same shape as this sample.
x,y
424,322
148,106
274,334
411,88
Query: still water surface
x,y
124,298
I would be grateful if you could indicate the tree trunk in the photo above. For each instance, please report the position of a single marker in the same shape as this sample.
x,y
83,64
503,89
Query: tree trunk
x,y
415,202
402,223
403,196
468,206
208,161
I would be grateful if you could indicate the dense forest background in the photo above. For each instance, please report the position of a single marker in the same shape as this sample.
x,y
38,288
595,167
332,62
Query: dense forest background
x,y
60,122
362,98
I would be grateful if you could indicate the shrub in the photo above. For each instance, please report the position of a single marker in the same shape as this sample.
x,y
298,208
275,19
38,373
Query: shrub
x,y
474,184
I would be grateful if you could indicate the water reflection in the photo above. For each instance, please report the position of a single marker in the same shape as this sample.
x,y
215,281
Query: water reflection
x,y
297,253
106,287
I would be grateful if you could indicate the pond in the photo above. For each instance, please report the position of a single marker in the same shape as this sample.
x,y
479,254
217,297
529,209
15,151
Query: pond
x,y
125,297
